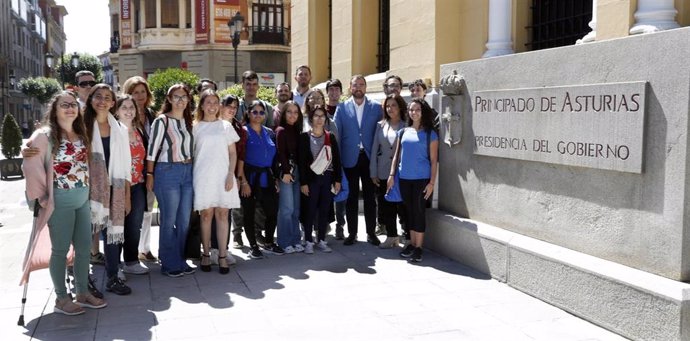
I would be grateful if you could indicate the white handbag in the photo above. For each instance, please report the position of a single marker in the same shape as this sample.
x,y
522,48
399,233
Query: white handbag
x,y
324,158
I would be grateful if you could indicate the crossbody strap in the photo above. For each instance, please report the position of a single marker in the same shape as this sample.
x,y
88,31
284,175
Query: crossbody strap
x,y
165,133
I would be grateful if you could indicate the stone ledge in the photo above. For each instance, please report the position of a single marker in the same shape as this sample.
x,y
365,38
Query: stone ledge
x,y
633,303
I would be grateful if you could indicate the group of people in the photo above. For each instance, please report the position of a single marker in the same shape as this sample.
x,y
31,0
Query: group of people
x,y
100,159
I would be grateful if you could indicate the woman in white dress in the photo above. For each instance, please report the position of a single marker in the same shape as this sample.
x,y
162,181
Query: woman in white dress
x,y
215,192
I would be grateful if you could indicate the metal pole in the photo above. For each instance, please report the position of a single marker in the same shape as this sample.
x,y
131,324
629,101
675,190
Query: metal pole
x,y
62,71
235,46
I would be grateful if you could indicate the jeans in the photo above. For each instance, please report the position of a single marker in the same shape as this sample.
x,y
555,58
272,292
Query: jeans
x,y
130,247
320,202
288,213
173,187
70,223
354,174
268,200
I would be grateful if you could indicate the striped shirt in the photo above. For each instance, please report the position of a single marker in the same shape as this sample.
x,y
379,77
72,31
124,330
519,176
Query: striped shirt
x,y
176,145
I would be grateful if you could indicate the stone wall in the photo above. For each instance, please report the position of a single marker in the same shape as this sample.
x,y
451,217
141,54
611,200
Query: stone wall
x,y
638,220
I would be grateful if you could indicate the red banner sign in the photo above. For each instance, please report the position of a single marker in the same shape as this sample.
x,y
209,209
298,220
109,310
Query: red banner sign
x,y
202,21
125,24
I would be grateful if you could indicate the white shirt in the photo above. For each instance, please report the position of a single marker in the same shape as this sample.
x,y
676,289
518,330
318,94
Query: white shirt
x,y
360,113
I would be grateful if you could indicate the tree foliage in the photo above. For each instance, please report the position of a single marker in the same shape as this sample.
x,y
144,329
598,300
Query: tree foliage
x,y
86,62
161,80
40,88
265,93
11,137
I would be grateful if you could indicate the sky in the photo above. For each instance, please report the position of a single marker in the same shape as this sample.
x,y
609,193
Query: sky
x,y
87,26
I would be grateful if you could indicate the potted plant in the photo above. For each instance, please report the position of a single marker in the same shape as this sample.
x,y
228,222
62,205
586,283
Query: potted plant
x,y
11,141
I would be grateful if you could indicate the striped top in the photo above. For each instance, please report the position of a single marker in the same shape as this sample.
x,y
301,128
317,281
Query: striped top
x,y
177,144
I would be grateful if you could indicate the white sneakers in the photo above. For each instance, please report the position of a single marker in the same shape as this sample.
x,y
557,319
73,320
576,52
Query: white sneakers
x,y
321,245
134,269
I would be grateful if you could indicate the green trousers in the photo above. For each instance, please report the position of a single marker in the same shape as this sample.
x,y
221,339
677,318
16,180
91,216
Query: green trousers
x,y
70,223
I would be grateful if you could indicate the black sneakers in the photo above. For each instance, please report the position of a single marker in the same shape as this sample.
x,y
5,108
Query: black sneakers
x,y
255,253
116,286
93,290
416,255
407,251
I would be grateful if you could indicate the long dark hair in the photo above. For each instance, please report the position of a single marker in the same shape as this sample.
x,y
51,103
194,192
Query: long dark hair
x,y
55,134
427,122
283,120
167,105
401,104
90,113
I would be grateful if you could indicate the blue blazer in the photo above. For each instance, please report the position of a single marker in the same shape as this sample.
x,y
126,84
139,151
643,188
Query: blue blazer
x,y
350,133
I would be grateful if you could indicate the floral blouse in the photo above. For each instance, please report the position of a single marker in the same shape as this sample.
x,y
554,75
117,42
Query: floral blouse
x,y
138,152
70,167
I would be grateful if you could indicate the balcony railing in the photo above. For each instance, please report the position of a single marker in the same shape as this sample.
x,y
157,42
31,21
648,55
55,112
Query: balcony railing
x,y
275,35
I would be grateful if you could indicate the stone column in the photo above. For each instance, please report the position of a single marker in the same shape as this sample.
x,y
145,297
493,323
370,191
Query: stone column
x,y
592,35
654,16
158,14
181,14
142,15
500,15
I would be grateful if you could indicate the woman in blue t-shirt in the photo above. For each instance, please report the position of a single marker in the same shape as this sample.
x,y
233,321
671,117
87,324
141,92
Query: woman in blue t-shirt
x,y
416,160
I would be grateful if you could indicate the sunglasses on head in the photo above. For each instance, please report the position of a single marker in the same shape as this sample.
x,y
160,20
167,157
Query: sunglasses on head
x,y
256,112
86,83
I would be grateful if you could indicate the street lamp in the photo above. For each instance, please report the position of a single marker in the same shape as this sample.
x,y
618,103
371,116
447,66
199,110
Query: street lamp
x,y
13,79
74,61
236,24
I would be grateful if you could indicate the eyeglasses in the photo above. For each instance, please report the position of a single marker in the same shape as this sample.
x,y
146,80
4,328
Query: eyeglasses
x,y
65,105
177,98
393,85
257,113
87,84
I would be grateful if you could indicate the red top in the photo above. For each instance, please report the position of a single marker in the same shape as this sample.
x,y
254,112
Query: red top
x,y
138,152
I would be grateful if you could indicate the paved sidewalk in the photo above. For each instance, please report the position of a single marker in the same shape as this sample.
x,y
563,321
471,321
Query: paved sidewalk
x,y
355,293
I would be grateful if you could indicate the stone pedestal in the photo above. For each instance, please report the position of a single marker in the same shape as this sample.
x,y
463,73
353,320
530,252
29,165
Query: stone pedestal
x,y
605,241
653,16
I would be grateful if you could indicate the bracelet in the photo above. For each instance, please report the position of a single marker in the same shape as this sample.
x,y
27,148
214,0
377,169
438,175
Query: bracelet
x,y
149,174
392,174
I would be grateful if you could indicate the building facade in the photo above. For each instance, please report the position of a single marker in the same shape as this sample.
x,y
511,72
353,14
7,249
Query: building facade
x,y
28,30
148,35
413,38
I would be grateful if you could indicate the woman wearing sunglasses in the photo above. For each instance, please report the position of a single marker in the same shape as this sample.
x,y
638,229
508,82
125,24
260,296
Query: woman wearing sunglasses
x,y
169,176
259,184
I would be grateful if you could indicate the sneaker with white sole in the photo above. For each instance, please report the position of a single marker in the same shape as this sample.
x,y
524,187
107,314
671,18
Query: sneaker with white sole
x,y
121,275
299,248
321,245
309,248
135,269
289,249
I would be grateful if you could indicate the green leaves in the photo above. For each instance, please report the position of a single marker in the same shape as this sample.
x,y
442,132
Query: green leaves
x,y
161,80
265,93
40,88
86,62
11,139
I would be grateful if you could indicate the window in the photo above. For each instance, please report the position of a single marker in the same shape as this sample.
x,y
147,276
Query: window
x,y
170,15
559,22
150,10
188,13
383,54
268,22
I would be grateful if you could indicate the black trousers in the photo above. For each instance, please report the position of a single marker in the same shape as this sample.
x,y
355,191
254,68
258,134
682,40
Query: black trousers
x,y
360,172
388,210
268,199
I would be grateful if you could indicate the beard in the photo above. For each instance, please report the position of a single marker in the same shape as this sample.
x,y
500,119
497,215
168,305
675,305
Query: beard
x,y
358,94
283,98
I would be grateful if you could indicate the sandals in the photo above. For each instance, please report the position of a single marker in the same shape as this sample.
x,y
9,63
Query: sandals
x,y
207,267
224,270
67,307
90,301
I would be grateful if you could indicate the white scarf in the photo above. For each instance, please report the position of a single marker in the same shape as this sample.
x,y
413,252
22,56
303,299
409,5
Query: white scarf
x,y
119,171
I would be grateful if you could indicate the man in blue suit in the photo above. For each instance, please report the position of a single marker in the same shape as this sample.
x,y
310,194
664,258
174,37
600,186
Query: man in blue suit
x,y
356,121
